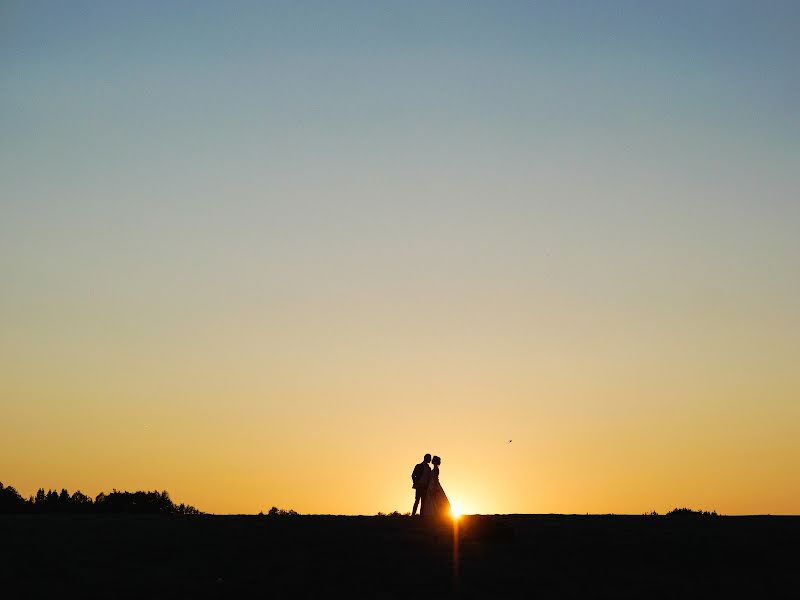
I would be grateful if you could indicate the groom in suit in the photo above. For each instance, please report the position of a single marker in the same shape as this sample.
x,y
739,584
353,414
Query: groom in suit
x,y
420,477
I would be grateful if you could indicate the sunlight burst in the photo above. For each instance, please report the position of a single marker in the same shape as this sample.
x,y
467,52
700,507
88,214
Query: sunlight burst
x,y
455,511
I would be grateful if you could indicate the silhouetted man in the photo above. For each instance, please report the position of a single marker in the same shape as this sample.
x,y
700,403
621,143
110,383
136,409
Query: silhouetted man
x,y
420,477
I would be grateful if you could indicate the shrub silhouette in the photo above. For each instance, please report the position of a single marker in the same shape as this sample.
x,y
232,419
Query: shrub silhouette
x,y
688,512
279,512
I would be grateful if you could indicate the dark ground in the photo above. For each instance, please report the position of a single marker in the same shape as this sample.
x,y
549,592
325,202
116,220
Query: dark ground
x,y
544,556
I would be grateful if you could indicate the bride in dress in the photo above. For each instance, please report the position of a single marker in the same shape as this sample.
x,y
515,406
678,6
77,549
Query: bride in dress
x,y
436,502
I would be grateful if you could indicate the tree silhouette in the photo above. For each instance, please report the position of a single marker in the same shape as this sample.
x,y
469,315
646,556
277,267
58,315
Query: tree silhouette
x,y
10,500
116,502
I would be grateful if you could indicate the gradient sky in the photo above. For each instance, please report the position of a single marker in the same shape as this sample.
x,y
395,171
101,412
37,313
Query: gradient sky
x,y
269,254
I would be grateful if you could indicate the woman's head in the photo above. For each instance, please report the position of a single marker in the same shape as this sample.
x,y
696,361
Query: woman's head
x,y
437,461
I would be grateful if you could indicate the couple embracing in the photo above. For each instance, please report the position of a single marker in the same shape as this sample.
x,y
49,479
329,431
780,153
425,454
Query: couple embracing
x,y
429,492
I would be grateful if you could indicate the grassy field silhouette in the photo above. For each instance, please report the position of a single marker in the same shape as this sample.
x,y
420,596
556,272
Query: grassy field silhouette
x,y
290,555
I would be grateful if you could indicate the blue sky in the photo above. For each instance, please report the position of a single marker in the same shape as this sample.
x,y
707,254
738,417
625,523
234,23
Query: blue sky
x,y
513,190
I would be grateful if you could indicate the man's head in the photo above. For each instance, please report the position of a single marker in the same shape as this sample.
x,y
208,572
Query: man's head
x,y
427,458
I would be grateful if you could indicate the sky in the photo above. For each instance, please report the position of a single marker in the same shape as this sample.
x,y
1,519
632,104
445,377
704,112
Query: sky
x,y
271,253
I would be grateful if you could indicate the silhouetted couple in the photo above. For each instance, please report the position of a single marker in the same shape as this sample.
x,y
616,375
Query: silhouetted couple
x,y
429,492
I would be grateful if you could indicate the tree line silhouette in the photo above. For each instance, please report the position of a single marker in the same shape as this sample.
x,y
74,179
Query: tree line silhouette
x,y
51,501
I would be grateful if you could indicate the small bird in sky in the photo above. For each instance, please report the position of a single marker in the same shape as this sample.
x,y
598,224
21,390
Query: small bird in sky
x,y
509,441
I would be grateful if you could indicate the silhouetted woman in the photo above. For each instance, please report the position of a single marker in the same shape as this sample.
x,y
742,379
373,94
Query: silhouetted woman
x,y
436,502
